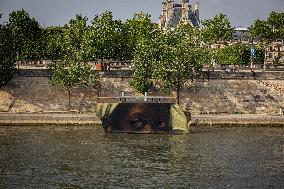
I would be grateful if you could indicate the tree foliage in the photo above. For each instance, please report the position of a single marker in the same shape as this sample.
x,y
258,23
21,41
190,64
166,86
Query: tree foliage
x,y
26,33
106,36
76,40
7,55
217,30
259,55
239,54
269,30
73,71
178,59
71,74
53,40
235,54
144,60
143,42
140,28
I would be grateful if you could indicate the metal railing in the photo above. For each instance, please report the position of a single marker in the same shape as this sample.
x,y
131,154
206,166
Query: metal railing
x,y
140,99
101,65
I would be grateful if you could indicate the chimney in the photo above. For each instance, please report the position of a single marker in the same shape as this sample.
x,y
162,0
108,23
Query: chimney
x,y
169,7
185,8
196,10
164,8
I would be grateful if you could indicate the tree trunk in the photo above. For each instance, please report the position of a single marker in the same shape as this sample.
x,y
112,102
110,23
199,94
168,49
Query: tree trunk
x,y
178,91
69,99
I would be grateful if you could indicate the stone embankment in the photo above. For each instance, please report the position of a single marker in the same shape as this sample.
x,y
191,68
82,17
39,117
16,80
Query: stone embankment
x,y
235,97
31,92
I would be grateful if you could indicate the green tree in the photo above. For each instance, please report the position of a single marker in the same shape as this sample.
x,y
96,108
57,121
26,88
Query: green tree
x,y
259,56
7,55
26,33
140,28
235,54
73,71
144,60
106,34
144,44
71,74
218,30
53,42
268,30
77,40
179,58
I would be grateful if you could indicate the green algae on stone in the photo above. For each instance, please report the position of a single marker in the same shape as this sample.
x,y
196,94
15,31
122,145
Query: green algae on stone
x,y
178,119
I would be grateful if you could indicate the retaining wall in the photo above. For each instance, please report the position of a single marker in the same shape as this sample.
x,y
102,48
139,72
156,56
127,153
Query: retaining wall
x,y
237,93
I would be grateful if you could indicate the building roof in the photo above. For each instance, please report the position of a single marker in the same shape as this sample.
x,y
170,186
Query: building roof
x,y
174,14
241,29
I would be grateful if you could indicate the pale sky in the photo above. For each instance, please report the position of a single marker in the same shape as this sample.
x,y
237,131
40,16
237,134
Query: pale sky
x,y
59,12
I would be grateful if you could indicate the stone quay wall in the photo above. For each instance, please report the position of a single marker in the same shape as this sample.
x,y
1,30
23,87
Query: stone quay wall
x,y
244,74
225,92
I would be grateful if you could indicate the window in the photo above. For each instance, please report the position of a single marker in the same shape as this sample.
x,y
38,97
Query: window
x,y
270,56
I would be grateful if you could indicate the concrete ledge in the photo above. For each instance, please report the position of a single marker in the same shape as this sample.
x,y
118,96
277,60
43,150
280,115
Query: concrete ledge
x,y
237,120
57,119
39,119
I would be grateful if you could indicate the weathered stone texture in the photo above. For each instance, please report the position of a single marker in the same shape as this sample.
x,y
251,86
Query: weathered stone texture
x,y
235,96
35,94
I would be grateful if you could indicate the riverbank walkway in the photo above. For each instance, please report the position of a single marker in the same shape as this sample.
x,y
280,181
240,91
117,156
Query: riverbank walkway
x,y
66,118
238,119
54,118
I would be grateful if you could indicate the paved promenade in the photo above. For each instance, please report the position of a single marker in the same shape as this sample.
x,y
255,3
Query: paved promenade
x,y
238,119
65,118
49,119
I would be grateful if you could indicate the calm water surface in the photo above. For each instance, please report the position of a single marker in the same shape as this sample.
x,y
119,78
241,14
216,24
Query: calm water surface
x,y
86,157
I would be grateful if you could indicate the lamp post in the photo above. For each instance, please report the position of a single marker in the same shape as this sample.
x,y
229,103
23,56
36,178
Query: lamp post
x,y
252,53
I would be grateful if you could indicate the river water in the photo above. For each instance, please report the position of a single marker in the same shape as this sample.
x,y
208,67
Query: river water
x,y
86,157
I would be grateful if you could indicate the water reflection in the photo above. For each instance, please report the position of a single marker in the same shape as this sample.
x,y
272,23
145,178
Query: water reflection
x,y
86,157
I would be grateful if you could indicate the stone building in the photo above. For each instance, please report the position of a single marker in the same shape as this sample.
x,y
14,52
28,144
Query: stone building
x,y
274,52
174,14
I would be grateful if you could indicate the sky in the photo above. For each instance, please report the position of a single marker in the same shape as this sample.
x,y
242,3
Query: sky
x,y
241,13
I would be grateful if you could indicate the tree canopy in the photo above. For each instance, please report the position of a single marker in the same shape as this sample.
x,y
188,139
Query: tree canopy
x,y
269,30
178,59
217,30
26,33
144,43
73,71
7,55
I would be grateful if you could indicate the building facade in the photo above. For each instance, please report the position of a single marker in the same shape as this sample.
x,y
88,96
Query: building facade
x,y
174,14
274,52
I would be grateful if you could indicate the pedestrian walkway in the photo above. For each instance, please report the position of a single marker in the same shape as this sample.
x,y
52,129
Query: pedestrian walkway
x,y
49,119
